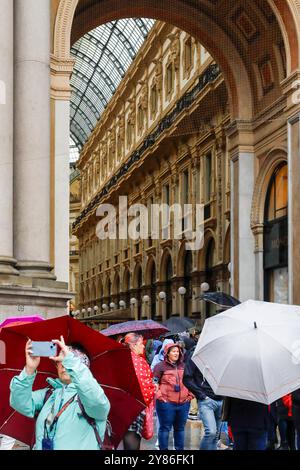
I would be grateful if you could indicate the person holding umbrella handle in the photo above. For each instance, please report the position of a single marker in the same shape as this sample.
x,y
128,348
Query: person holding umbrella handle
x,y
71,416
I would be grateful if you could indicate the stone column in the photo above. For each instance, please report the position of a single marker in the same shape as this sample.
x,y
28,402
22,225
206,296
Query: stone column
x,y
32,138
291,90
242,186
294,208
60,109
258,231
7,262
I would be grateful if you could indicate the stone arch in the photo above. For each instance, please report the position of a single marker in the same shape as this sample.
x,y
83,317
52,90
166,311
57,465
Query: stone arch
x,y
226,252
181,256
208,236
148,271
87,293
93,291
76,17
82,295
137,279
272,160
99,288
116,284
167,253
126,283
107,287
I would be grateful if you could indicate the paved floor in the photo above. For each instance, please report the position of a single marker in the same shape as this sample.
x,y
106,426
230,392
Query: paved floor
x,y
193,433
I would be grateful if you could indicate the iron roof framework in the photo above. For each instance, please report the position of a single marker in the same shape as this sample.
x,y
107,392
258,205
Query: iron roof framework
x,y
102,58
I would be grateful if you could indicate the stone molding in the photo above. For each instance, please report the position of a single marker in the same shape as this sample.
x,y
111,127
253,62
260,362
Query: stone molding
x,y
63,26
272,160
61,70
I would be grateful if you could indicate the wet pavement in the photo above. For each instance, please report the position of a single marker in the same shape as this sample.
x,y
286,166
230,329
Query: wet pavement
x,y
193,434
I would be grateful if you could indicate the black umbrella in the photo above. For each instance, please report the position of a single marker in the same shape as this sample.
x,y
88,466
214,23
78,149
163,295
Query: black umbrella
x,y
220,299
178,325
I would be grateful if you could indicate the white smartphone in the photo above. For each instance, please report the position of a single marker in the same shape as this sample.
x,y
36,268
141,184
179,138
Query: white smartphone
x,y
43,348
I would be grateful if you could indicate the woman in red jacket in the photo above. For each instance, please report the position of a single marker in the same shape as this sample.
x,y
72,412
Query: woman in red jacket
x,y
132,439
172,397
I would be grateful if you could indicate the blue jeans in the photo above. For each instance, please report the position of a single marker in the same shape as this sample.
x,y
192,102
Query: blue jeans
x,y
250,440
210,415
171,415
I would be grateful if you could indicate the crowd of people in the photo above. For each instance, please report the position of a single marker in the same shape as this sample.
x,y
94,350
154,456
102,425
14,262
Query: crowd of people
x,y
73,413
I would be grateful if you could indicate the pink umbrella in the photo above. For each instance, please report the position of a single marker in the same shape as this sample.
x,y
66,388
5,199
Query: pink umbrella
x,y
12,321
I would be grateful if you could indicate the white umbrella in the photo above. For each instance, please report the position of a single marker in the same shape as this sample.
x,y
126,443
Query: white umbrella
x,y
251,351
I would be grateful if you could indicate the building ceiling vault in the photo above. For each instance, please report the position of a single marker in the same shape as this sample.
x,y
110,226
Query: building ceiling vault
x,y
102,57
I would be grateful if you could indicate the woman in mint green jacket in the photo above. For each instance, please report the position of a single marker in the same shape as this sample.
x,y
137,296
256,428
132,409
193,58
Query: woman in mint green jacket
x,y
61,424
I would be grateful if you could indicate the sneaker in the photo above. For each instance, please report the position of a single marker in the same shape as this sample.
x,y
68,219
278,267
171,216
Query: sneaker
x,y
221,445
193,417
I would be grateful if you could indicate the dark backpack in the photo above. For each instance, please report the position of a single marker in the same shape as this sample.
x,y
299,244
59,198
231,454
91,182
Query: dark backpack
x,y
106,444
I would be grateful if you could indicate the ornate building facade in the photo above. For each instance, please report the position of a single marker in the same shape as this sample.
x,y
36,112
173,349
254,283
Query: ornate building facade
x,y
256,45
161,140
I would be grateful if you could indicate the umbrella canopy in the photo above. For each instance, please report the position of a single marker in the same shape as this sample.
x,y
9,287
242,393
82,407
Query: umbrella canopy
x,y
178,324
250,351
147,328
109,361
12,321
221,299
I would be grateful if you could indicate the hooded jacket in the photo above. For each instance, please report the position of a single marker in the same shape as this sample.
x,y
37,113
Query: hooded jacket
x,y
159,357
72,431
169,376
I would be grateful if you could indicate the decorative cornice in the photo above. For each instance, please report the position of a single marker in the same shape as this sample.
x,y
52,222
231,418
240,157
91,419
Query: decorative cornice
x,y
61,70
210,75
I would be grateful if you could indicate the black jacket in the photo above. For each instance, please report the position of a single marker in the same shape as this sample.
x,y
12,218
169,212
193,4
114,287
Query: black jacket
x,y
245,415
193,380
296,397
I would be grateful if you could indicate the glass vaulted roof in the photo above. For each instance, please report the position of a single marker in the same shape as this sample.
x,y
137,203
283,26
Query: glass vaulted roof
x,y
102,58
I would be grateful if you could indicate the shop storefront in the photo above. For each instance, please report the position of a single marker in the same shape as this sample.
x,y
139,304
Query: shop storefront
x,y
276,238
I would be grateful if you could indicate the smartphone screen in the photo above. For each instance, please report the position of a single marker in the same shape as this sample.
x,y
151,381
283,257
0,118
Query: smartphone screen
x,y
43,348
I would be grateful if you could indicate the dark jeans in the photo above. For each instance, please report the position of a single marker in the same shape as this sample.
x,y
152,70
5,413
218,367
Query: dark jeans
x,y
171,415
272,425
287,433
256,440
296,419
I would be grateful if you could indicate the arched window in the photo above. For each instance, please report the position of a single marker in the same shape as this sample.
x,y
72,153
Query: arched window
x,y
108,292
209,274
153,291
127,288
276,238
188,266
169,274
139,280
116,292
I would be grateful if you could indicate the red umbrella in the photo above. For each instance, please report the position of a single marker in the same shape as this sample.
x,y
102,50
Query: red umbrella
x,y
12,321
109,361
147,328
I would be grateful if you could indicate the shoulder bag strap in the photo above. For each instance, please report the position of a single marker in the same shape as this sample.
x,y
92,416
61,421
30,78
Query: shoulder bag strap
x,y
91,422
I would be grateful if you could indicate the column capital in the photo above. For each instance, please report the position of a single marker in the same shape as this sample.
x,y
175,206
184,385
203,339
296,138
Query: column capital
x,y
290,87
61,70
241,137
